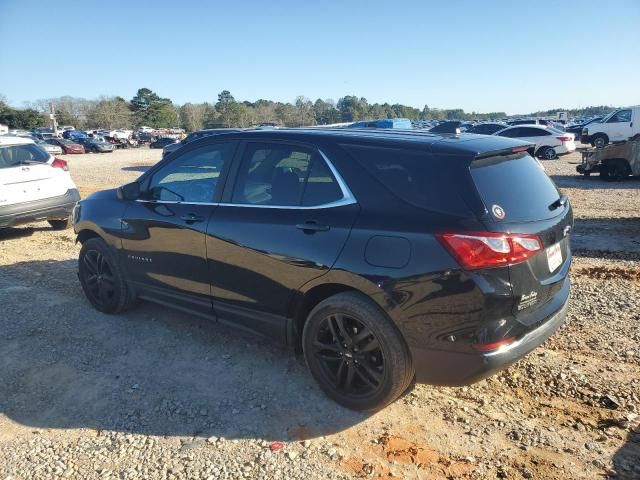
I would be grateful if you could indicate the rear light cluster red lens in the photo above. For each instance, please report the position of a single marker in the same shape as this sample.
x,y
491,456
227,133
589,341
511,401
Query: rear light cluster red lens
x,y
59,163
489,249
564,139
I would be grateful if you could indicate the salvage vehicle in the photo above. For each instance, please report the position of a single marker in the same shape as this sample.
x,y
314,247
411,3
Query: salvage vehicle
x,y
614,162
34,185
67,146
384,256
549,142
619,126
48,147
95,145
163,142
577,128
172,147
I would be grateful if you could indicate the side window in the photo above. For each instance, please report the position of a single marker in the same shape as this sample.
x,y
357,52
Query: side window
x,y
191,177
321,187
513,133
284,175
533,132
621,116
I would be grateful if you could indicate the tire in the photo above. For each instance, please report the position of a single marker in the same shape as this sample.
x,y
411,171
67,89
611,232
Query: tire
x,y
355,352
614,171
60,224
102,279
547,153
599,141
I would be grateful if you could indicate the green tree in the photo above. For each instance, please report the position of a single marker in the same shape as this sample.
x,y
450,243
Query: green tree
x,y
353,108
228,109
111,112
23,119
150,109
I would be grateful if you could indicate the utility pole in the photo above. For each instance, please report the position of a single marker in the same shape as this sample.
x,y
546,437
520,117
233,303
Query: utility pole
x,y
52,116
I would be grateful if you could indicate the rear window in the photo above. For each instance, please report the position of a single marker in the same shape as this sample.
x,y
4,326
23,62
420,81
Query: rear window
x,y
518,184
13,155
415,176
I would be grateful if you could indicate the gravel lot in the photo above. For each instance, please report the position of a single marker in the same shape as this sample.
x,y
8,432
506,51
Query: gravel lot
x,y
159,394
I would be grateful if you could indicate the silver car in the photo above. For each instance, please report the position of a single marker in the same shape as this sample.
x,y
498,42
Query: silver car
x,y
50,149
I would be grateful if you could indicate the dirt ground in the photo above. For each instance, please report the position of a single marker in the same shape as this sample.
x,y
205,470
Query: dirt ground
x,y
158,394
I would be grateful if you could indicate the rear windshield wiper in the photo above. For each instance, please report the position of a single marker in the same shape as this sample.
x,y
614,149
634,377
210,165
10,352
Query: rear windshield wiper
x,y
560,202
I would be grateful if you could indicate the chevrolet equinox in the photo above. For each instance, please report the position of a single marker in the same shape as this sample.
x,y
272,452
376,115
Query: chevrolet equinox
x,y
386,257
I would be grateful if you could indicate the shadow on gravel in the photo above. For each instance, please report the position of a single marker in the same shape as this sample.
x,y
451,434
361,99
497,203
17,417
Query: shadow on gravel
x,y
626,460
12,233
616,235
150,371
594,182
136,168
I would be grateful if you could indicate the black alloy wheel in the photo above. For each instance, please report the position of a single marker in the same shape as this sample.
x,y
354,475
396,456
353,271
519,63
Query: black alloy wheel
x,y
101,278
350,354
98,278
356,353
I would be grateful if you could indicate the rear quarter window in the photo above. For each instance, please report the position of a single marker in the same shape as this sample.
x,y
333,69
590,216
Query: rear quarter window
x,y
518,184
416,177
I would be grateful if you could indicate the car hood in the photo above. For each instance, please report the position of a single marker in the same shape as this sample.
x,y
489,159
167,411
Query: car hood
x,y
103,195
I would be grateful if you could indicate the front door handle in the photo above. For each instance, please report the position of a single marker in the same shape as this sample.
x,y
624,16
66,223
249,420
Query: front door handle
x,y
192,218
312,227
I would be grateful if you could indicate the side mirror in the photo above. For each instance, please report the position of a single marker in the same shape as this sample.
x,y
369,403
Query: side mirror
x,y
130,191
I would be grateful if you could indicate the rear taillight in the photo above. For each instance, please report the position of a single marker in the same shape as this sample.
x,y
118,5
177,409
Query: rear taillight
x,y
564,139
59,163
489,249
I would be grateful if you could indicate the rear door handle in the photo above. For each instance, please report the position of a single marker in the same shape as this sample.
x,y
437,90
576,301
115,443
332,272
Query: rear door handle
x,y
312,227
192,218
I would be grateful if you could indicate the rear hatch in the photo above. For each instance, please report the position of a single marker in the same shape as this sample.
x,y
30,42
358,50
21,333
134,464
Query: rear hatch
x,y
519,197
26,175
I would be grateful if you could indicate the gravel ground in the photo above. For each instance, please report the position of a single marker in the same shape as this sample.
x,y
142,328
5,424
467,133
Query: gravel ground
x,y
158,394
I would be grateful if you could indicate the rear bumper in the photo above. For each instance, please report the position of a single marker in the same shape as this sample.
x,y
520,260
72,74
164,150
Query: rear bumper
x,y
46,209
452,368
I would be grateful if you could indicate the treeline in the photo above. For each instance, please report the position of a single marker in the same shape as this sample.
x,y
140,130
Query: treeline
x,y
147,108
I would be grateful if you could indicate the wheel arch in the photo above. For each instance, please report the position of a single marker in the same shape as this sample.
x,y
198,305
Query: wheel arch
x,y
314,292
85,234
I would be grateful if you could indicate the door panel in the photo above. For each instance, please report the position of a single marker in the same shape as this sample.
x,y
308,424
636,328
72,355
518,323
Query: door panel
x,y
259,257
287,218
164,232
163,250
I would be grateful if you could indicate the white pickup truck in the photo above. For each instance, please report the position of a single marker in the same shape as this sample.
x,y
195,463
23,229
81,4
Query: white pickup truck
x,y
619,126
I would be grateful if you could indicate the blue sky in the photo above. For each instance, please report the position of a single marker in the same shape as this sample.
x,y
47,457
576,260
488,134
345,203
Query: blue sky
x,y
478,55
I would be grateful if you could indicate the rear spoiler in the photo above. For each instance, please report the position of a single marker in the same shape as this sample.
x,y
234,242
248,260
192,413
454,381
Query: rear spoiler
x,y
530,149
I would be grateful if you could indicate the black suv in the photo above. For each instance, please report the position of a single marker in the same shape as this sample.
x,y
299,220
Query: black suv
x,y
387,257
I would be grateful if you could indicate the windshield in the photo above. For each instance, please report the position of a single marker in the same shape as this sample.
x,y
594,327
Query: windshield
x,y
607,117
12,155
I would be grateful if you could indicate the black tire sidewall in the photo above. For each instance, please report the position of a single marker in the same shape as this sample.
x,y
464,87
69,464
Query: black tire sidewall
x,y
60,224
542,153
122,294
398,371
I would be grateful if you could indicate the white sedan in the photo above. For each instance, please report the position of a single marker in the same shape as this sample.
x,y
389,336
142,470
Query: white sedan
x,y
549,142
34,185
